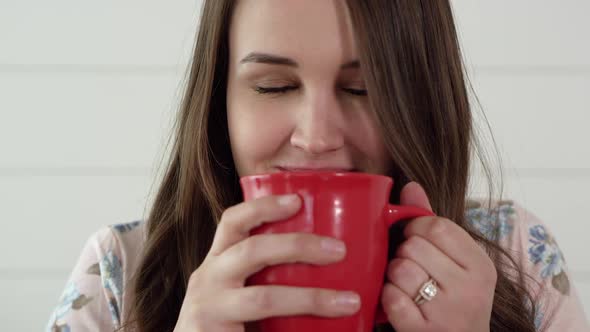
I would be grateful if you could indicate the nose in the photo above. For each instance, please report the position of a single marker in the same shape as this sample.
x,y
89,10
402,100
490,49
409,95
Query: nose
x,y
319,126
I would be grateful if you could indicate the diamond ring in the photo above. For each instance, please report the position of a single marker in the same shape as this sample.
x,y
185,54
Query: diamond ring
x,y
427,292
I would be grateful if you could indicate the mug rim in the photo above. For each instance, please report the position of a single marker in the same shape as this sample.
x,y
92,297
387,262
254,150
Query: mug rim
x,y
324,174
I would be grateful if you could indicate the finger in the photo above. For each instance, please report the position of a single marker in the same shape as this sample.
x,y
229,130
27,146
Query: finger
x,y
407,276
256,252
449,238
433,261
259,302
413,194
401,311
237,221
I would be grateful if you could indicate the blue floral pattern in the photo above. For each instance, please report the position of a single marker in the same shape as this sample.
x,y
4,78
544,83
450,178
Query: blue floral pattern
x,y
70,299
98,272
493,224
544,251
112,280
539,319
539,315
126,227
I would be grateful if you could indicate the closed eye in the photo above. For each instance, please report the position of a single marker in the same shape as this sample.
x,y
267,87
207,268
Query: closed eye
x,y
281,89
284,89
356,92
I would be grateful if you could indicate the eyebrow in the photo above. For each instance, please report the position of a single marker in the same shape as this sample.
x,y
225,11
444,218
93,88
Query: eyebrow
x,y
271,59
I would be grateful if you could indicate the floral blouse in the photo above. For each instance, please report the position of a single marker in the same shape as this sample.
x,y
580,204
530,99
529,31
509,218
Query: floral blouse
x,y
97,296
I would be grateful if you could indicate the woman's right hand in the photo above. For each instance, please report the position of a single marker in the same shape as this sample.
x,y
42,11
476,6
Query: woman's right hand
x,y
216,299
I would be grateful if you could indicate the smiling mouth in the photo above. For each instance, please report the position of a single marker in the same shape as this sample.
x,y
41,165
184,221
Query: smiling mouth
x,y
315,169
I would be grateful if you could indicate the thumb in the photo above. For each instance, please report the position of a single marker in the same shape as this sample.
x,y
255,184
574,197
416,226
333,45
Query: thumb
x,y
414,195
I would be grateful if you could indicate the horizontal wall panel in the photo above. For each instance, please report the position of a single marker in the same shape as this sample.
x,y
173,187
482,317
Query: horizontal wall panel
x,y
97,32
85,120
26,305
50,218
151,32
583,288
526,33
539,121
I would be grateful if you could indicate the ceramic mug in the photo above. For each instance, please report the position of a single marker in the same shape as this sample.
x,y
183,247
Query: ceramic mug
x,y
352,207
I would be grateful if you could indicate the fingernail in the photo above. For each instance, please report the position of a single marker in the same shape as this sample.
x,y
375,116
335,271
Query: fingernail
x,y
333,245
347,299
287,200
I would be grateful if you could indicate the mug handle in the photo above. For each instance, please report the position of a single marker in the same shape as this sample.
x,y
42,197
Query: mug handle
x,y
393,214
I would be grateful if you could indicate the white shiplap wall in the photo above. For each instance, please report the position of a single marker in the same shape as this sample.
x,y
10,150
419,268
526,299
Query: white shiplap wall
x,y
88,88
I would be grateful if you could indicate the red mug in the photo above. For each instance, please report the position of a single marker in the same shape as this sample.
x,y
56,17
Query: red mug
x,y
352,207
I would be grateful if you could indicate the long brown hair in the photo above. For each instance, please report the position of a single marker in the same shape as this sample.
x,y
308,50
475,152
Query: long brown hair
x,y
417,89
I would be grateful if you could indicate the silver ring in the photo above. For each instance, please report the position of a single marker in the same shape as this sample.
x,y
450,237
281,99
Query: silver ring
x,y
427,292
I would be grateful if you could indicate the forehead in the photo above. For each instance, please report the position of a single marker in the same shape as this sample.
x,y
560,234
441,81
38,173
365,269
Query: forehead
x,y
310,31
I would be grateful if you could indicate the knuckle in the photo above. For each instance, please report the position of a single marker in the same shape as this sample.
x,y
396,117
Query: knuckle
x,y
385,296
409,246
389,301
202,275
299,242
253,210
248,248
229,213
260,298
194,279
439,226
393,270
225,214
402,250
490,274
317,300
226,222
406,266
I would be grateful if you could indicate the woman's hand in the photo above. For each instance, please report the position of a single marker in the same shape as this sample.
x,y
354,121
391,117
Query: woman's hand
x,y
216,299
438,248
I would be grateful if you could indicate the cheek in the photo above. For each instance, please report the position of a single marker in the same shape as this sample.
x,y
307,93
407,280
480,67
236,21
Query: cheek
x,y
367,137
257,132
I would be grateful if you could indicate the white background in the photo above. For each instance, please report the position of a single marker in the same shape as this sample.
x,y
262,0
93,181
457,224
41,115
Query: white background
x,y
88,88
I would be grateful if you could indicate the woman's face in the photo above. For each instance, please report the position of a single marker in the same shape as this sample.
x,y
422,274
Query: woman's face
x,y
296,98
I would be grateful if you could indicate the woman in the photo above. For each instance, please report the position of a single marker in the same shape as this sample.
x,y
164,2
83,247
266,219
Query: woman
x,y
372,86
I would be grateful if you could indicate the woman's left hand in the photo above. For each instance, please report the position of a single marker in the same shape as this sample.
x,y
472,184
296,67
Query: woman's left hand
x,y
465,276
